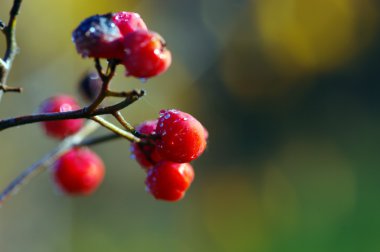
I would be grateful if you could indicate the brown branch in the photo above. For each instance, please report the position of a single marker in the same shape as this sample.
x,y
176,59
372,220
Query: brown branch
x,y
11,48
76,114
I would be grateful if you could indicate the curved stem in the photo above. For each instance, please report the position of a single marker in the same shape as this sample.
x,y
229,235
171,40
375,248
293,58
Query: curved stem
x,y
11,48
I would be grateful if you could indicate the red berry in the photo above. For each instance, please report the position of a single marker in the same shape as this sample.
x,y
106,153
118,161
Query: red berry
x,y
145,54
98,37
79,171
128,22
169,181
146,154
60,128
182,137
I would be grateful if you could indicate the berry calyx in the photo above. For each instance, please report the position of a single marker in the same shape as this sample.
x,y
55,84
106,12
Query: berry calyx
x,y
169,181
146,153
145,54
128,22
78,172
60,128
182,138
98,37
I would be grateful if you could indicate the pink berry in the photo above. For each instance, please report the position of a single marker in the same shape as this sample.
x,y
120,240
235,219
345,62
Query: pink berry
x,y
78,172
128,22
145,54
146,154
169,181
60,128
98,37
182,137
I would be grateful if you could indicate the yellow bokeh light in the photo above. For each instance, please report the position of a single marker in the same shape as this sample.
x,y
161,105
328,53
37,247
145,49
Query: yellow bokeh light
x,y
313,35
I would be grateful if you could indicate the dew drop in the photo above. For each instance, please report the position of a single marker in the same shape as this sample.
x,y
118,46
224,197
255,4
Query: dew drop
x,y
167,116
161,125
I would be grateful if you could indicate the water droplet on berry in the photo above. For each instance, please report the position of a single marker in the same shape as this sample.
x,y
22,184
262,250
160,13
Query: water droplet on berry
x,y
65,108
161,125
185,119
167,116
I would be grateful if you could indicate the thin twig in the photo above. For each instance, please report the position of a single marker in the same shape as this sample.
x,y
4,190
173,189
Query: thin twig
x,y
42,164
11,47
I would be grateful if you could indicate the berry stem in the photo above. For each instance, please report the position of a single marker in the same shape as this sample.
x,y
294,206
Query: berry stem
x,y
106,78
127,135
119,117
42,164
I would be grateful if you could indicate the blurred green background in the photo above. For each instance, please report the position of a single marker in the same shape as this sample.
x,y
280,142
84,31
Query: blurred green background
x,y
289,92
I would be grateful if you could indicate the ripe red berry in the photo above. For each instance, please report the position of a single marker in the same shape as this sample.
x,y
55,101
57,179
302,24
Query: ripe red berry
x,y
90,86
78,172
98,37
146,154
60,128
145,54
182,137
169,181
128,22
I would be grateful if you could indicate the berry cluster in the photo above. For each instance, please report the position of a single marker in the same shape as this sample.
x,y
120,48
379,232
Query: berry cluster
x,y
164,147
176,139
123,36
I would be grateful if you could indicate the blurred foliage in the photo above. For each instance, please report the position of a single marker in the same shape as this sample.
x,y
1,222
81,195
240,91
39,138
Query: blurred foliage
x,y
288,90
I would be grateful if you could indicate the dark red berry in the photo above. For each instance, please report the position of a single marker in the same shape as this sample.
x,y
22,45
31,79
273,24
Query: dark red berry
x,y
98,37
145,54
128,22
60,128
146,154
78,172
182,138
169,181
90,86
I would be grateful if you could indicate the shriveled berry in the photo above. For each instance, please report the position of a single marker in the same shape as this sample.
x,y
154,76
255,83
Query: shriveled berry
x,y
169,181
145,54
146,154
182,138
128,22
98,37
90,86
60,128
78,172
